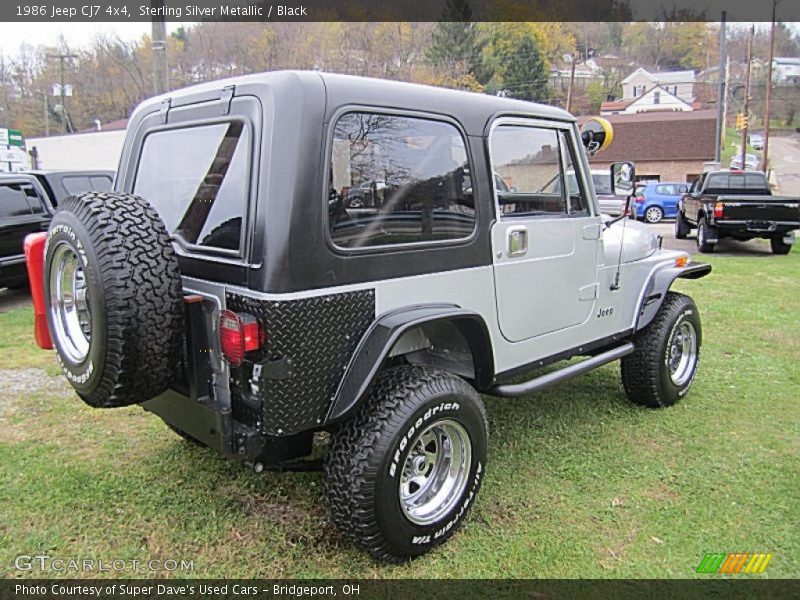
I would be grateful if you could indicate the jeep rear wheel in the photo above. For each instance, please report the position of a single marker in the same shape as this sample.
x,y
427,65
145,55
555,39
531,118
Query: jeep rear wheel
x,y
113,297
663,365
401,475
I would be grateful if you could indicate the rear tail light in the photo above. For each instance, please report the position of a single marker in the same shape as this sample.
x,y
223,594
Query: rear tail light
x,y
239,334
719,210
639,199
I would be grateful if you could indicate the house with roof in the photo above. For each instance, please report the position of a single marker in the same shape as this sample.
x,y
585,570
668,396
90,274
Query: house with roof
x,y
666,146
786,70
677,83
643,91
656,99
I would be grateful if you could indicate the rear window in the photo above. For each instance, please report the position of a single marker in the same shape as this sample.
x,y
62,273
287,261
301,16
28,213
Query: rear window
x,y
721,183
197,179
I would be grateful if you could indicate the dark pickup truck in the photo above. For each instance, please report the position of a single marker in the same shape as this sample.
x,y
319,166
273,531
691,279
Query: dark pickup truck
x,y
731,204
27,203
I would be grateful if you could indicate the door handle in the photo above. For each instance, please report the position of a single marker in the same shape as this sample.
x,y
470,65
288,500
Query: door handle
x,y
517,241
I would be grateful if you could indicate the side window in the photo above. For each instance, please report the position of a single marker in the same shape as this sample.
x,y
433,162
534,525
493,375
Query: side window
x,y
13,201
398,180
197,178
666,190
529,161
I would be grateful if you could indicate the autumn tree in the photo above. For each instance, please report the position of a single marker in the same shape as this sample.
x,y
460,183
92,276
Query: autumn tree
x,y
456,48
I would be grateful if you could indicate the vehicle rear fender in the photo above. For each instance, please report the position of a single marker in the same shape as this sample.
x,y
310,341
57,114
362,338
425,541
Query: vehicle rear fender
x,y
660,283
459,337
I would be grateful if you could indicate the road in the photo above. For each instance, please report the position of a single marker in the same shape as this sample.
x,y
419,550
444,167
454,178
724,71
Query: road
x,y
784,154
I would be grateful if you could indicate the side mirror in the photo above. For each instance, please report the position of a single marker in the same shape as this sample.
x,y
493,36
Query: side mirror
x,y
513,189
596,134
623,178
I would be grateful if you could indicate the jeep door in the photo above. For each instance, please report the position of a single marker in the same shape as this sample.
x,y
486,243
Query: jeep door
x,y
545,240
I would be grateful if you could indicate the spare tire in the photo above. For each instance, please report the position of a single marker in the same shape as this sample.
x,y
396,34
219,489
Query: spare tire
x,y
113,295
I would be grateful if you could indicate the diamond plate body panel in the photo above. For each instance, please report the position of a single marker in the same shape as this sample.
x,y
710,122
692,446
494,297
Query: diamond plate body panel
x,y
318,335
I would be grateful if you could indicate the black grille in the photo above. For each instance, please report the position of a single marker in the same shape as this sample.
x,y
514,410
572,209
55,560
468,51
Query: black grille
x,y
318,335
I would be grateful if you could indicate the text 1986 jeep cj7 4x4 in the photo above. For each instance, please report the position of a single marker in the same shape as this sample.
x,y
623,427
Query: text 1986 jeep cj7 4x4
x,y
226,286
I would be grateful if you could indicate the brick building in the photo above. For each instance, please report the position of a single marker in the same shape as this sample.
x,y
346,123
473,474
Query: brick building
x,y
666,146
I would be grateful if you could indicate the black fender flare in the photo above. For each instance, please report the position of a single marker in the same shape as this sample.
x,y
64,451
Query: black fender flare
x,y
381,336
658,286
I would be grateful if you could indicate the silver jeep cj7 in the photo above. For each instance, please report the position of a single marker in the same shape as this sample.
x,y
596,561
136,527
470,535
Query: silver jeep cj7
x,y
229,286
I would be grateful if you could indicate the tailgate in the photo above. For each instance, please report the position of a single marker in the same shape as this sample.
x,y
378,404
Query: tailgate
x,y
756,209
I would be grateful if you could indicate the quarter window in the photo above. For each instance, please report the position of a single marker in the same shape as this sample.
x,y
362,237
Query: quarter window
x,y
398,180
197,179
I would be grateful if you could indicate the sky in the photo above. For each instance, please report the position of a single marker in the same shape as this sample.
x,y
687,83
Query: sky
x,y
13,35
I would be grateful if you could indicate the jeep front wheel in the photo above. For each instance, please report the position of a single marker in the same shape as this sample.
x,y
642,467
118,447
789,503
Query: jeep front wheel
x,y
401,476
663,365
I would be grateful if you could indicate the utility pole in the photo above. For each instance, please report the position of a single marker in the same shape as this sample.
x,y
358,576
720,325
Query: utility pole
x,y
747,94
571,83
46,115
723,63
159,42
769,88
63,58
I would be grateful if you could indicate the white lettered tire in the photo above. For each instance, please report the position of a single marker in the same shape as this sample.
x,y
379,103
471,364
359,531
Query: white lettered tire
x,y
401,476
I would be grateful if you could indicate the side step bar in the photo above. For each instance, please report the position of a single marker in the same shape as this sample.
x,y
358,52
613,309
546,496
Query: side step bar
x,y
514,390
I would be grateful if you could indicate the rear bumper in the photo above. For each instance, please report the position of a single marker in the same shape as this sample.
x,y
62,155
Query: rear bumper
x,y
757,228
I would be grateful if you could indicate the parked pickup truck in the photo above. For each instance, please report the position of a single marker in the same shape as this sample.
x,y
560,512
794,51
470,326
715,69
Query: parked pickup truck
x,y
730,204
27,203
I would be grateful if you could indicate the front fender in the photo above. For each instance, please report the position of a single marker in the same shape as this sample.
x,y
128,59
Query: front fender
x,y
658,286
377,342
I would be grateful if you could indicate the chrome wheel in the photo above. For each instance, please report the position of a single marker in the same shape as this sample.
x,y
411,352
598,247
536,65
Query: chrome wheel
x,y
653,214
682,353
435,472
69,303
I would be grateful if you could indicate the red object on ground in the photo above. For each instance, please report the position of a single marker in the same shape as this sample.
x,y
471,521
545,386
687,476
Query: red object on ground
x,y
34,260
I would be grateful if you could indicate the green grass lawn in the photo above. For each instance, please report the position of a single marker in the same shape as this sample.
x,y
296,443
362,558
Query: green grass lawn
x,y
580,483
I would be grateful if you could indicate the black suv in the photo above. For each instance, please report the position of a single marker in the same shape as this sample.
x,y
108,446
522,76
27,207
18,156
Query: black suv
x,y
27,203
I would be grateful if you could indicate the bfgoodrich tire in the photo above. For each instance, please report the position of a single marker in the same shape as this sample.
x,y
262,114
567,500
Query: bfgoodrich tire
x,y
662,367
401,476
113,294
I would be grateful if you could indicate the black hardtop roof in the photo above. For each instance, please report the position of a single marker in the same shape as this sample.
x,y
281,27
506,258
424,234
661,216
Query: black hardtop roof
x,y
468,107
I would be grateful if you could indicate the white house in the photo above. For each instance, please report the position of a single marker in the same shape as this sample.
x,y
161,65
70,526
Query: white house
x,y
786,70
677,83
656,99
